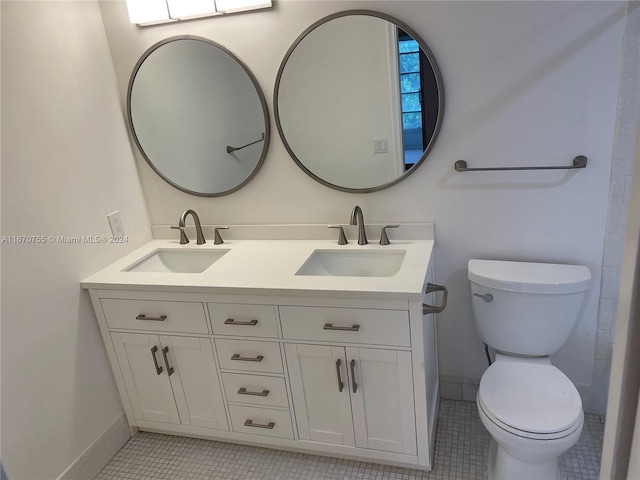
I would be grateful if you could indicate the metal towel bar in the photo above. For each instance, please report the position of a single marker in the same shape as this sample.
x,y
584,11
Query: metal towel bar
x,y
578,162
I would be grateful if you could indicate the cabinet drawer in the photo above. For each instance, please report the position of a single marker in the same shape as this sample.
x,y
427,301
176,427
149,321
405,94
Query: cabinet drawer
x,y
346,325
244,320
261,421
253,356
255,389
155,315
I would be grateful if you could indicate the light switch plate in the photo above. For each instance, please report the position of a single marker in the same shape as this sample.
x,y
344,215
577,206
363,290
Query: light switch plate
x,y
380,145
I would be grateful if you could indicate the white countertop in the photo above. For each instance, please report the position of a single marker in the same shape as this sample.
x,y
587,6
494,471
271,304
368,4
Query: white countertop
x,y
269,267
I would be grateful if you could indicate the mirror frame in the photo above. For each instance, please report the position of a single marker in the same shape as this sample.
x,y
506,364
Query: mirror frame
x,y
439,85
254,81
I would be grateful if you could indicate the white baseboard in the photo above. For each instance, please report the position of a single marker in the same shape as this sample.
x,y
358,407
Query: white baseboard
x,y
89,464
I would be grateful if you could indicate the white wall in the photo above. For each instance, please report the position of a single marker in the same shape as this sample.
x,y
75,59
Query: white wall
x,y
66,164
527,83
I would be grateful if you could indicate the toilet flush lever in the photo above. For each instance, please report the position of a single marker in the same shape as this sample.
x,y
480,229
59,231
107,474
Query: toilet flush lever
x,y
487,297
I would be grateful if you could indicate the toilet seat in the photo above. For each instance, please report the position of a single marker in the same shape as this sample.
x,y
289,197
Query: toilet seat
x,y
535,401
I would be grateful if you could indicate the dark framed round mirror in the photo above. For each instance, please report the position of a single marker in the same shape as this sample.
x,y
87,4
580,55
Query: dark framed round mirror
x,y
198,116
359,101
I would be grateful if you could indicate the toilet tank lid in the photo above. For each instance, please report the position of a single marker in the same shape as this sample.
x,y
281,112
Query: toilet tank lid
x,y
529,277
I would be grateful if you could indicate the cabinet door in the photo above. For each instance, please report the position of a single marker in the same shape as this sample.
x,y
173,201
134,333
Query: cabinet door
x,y
148,388
382,404
195,382
323,408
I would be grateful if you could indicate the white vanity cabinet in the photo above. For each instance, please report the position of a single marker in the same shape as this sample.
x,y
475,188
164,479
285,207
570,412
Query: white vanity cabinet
x,y
171,379
382,399
360,397
249,352
148,386
348,395
167,378
350,377
253,375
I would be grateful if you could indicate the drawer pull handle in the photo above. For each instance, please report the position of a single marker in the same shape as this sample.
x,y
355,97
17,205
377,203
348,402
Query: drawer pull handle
x,y
428,309
165,350
235,356
340,382
231,321
244,391
353,376
161,318
249,423
330,326
154,349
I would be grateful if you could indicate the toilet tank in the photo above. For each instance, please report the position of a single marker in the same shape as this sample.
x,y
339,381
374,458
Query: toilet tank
x,y
526,308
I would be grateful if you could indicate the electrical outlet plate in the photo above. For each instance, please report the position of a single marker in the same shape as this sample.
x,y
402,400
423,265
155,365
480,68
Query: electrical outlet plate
x,y
115,222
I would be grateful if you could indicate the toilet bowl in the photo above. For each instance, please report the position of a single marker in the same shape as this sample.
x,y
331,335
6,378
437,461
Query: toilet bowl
x,y
533,413
532,410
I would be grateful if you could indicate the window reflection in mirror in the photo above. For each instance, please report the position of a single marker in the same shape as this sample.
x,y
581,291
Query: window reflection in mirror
x,y
419,98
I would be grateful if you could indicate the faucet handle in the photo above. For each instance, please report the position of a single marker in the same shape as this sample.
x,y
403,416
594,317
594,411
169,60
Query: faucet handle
x,y
384,239
183,236
217,239
342,238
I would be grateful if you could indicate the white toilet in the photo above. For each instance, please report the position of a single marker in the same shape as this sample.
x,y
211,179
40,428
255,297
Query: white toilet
x,y
526,311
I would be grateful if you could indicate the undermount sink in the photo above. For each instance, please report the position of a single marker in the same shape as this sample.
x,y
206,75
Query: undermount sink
x,y
353,263
177,261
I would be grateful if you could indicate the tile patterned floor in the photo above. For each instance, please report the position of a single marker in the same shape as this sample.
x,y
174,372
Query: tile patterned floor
x,y
461,450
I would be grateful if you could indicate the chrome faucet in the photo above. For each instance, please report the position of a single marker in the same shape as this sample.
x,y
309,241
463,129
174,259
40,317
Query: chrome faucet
x,y
182,224
357,218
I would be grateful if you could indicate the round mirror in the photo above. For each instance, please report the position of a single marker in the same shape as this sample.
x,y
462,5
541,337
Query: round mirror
x,y
198,116
359,101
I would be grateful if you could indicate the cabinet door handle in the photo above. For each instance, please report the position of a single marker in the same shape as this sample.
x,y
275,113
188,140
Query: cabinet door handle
x,y
330,326
244,391
235,356
427,309
340,382
353,376
165,350
154,349
249,423
231,321
142,316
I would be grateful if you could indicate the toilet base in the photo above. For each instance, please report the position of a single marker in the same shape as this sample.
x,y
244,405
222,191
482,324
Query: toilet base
x,y
502,466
